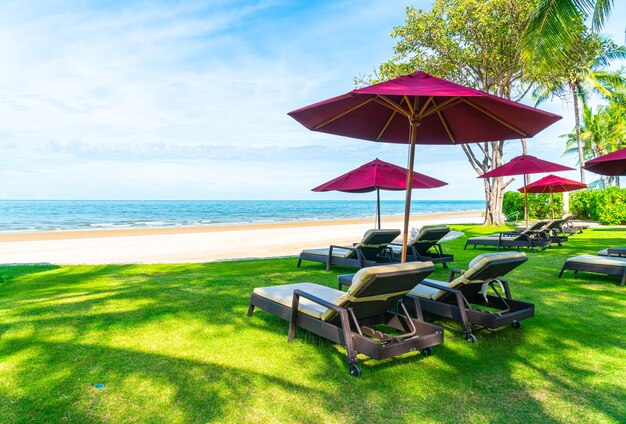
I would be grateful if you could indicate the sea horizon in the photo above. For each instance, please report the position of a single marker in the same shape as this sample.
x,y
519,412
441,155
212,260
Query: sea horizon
x,y
59,215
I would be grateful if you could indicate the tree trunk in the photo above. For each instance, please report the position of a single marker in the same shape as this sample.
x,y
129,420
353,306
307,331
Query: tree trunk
x,y
581,160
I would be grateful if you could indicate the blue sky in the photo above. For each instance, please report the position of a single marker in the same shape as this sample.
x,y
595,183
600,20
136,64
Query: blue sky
x,y
188,100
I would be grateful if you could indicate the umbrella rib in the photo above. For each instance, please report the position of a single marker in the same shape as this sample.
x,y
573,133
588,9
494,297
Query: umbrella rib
x,y
380,134
408,103
345,112
385,101
443,105
494,117
393,113
423,108
445,127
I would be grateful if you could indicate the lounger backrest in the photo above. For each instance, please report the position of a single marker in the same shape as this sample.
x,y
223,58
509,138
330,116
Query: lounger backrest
x,y
428,236
374,241
536,226
555,223
375,289
567,216
488,266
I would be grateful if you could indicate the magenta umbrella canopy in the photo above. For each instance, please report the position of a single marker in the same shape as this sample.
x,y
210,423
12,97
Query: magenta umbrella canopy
x,y
611,164
447,113
524,165
378,174
422,109
552,184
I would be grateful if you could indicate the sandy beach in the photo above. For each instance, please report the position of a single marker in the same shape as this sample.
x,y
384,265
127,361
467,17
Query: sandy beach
x,y
196,244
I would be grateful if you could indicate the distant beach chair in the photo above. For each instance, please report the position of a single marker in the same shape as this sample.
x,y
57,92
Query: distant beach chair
x,y
531,237
346,317
572,227
419,249
601,264
373,249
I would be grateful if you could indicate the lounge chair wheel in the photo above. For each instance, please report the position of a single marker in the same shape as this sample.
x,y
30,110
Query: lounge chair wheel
x,y
470,338
516,324
355,371
428,351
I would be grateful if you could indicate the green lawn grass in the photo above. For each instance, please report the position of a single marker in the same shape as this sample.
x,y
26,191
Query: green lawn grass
x,y
172,343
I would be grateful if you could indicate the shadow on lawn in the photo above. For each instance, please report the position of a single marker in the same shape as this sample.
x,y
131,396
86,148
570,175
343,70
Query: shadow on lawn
x,y
484,382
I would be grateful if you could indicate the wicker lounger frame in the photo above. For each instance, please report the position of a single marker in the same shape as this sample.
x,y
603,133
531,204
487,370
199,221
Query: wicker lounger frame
x,y
455,303
355,335
504,241
595,268
359,262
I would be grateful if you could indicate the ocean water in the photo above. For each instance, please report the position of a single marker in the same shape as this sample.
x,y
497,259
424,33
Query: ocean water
x,y
50,215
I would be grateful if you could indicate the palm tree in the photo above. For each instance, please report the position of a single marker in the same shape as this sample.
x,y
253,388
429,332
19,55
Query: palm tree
x,y
601,133
550,26
580,73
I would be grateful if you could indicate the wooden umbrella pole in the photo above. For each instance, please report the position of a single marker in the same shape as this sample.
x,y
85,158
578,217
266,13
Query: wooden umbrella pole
x,y
552,196
378,205
409,186
526,211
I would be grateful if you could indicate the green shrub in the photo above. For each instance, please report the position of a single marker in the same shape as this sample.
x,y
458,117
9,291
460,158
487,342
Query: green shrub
x,y
539,205
607,206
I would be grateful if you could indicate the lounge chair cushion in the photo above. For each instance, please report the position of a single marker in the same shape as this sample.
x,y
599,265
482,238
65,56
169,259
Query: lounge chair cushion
x,y
427,292
340,253
599,260
477,264
605,252
365,275
284,295
481,261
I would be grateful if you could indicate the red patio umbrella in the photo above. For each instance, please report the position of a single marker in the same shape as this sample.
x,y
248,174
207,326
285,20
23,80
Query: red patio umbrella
x,y
524,165
378,175
422,109
610,164
552,184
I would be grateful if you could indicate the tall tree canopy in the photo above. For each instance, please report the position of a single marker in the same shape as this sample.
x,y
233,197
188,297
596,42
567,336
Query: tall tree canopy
x,y
474,43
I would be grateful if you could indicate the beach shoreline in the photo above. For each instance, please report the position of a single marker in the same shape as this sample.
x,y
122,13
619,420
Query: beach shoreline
x,y
155,231
198,244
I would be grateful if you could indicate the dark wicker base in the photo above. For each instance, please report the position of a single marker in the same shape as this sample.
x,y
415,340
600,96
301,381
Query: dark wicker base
x,y
599,269
428,335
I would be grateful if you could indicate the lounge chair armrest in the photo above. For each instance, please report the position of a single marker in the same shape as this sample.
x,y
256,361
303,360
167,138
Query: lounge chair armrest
x,y
334,246
438,286
453,272
317,300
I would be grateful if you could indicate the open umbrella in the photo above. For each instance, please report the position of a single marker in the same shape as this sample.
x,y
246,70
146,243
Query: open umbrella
x,y
524,165
422,109
377,175
610,164
552,184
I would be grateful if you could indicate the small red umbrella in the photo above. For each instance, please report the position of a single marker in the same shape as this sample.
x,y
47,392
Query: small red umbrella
x,y
524,165
378,175
610,164
422,109
552,184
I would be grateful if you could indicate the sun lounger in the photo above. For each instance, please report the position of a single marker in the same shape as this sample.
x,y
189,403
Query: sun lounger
x,y
371,250
425,247
531,237
571,227
620,252
481,286
554,230
609,265
346,317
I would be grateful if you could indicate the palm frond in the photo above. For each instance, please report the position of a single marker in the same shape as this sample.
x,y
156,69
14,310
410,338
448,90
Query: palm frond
x,y
601,11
